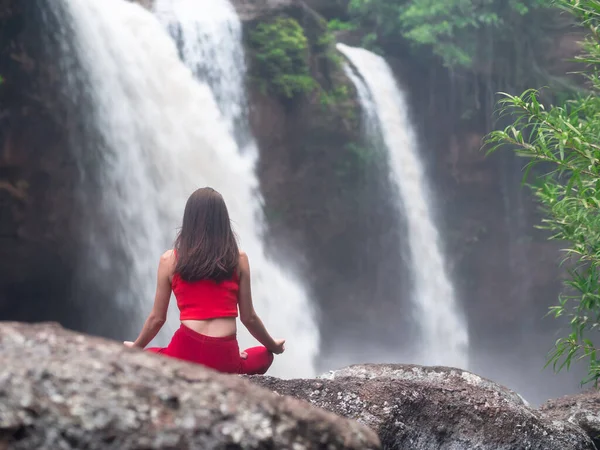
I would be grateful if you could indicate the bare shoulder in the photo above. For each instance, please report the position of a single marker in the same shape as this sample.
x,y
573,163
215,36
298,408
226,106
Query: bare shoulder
x,y
168,255
168,258
243,264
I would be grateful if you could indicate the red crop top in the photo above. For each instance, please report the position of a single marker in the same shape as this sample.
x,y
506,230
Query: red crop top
x,y
206,299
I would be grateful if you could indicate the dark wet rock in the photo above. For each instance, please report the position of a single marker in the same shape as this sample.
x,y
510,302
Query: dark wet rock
x,y
38,229
581,409
424,408
63,390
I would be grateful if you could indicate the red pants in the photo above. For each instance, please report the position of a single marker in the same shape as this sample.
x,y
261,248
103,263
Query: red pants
x,y
219,353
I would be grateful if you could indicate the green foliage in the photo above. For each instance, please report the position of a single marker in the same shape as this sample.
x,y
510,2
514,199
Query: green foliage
x,y
369,41
325,40
453,29
324,44
339,25
564,138
282,57
357,160
337,95
334,57
338,104
365,156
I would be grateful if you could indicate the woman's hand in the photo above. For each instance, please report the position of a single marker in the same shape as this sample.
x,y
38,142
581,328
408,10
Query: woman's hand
x,y
279,347
129,344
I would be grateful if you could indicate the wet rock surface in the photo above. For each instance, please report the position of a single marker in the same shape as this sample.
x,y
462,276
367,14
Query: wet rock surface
x,y
63,390
581,409
423,408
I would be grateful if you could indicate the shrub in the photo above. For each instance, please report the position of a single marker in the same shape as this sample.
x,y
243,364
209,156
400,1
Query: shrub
x,y
282,57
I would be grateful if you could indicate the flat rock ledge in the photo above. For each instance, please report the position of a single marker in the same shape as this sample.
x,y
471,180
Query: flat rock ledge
x,y
63,390
424,408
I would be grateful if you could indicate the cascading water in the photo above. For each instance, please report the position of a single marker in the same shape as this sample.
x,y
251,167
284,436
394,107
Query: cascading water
x,y
160,135
444,335
210,43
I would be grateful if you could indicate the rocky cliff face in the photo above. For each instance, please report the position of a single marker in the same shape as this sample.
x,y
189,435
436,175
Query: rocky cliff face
x,y
42,211
37,173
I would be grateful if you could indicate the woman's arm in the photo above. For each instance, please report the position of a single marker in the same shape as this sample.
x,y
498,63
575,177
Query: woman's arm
x,y
158,315
247,314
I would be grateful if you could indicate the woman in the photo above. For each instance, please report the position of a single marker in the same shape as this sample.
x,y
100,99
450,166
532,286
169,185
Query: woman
x,y
210,278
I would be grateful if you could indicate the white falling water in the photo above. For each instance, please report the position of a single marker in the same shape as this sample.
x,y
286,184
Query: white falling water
x,y
444,334
210,41
164,137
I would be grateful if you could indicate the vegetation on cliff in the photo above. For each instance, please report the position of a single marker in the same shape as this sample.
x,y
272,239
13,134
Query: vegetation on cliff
x,y
460,32
285,55
282,57
563,139
480,47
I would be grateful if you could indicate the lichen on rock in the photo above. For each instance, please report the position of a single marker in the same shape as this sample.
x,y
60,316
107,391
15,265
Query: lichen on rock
x,y
63,390
581,409
420,408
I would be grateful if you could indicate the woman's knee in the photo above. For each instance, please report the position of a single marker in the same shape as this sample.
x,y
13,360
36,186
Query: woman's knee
x,y
269,358
258,361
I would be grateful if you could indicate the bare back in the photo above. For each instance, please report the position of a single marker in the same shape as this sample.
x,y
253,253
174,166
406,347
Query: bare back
x,y
220,326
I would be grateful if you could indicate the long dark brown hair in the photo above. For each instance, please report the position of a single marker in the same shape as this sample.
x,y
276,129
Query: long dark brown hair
x,y
206,245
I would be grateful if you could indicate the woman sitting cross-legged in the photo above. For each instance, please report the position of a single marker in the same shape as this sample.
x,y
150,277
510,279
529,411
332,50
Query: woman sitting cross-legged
x,y
210,278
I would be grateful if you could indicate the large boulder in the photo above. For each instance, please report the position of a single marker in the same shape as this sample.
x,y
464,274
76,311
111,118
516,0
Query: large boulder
x,y
423,408
581,409
62,390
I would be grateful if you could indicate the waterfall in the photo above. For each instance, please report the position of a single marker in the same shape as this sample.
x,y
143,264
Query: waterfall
x,y
158,133
444,336
210,43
